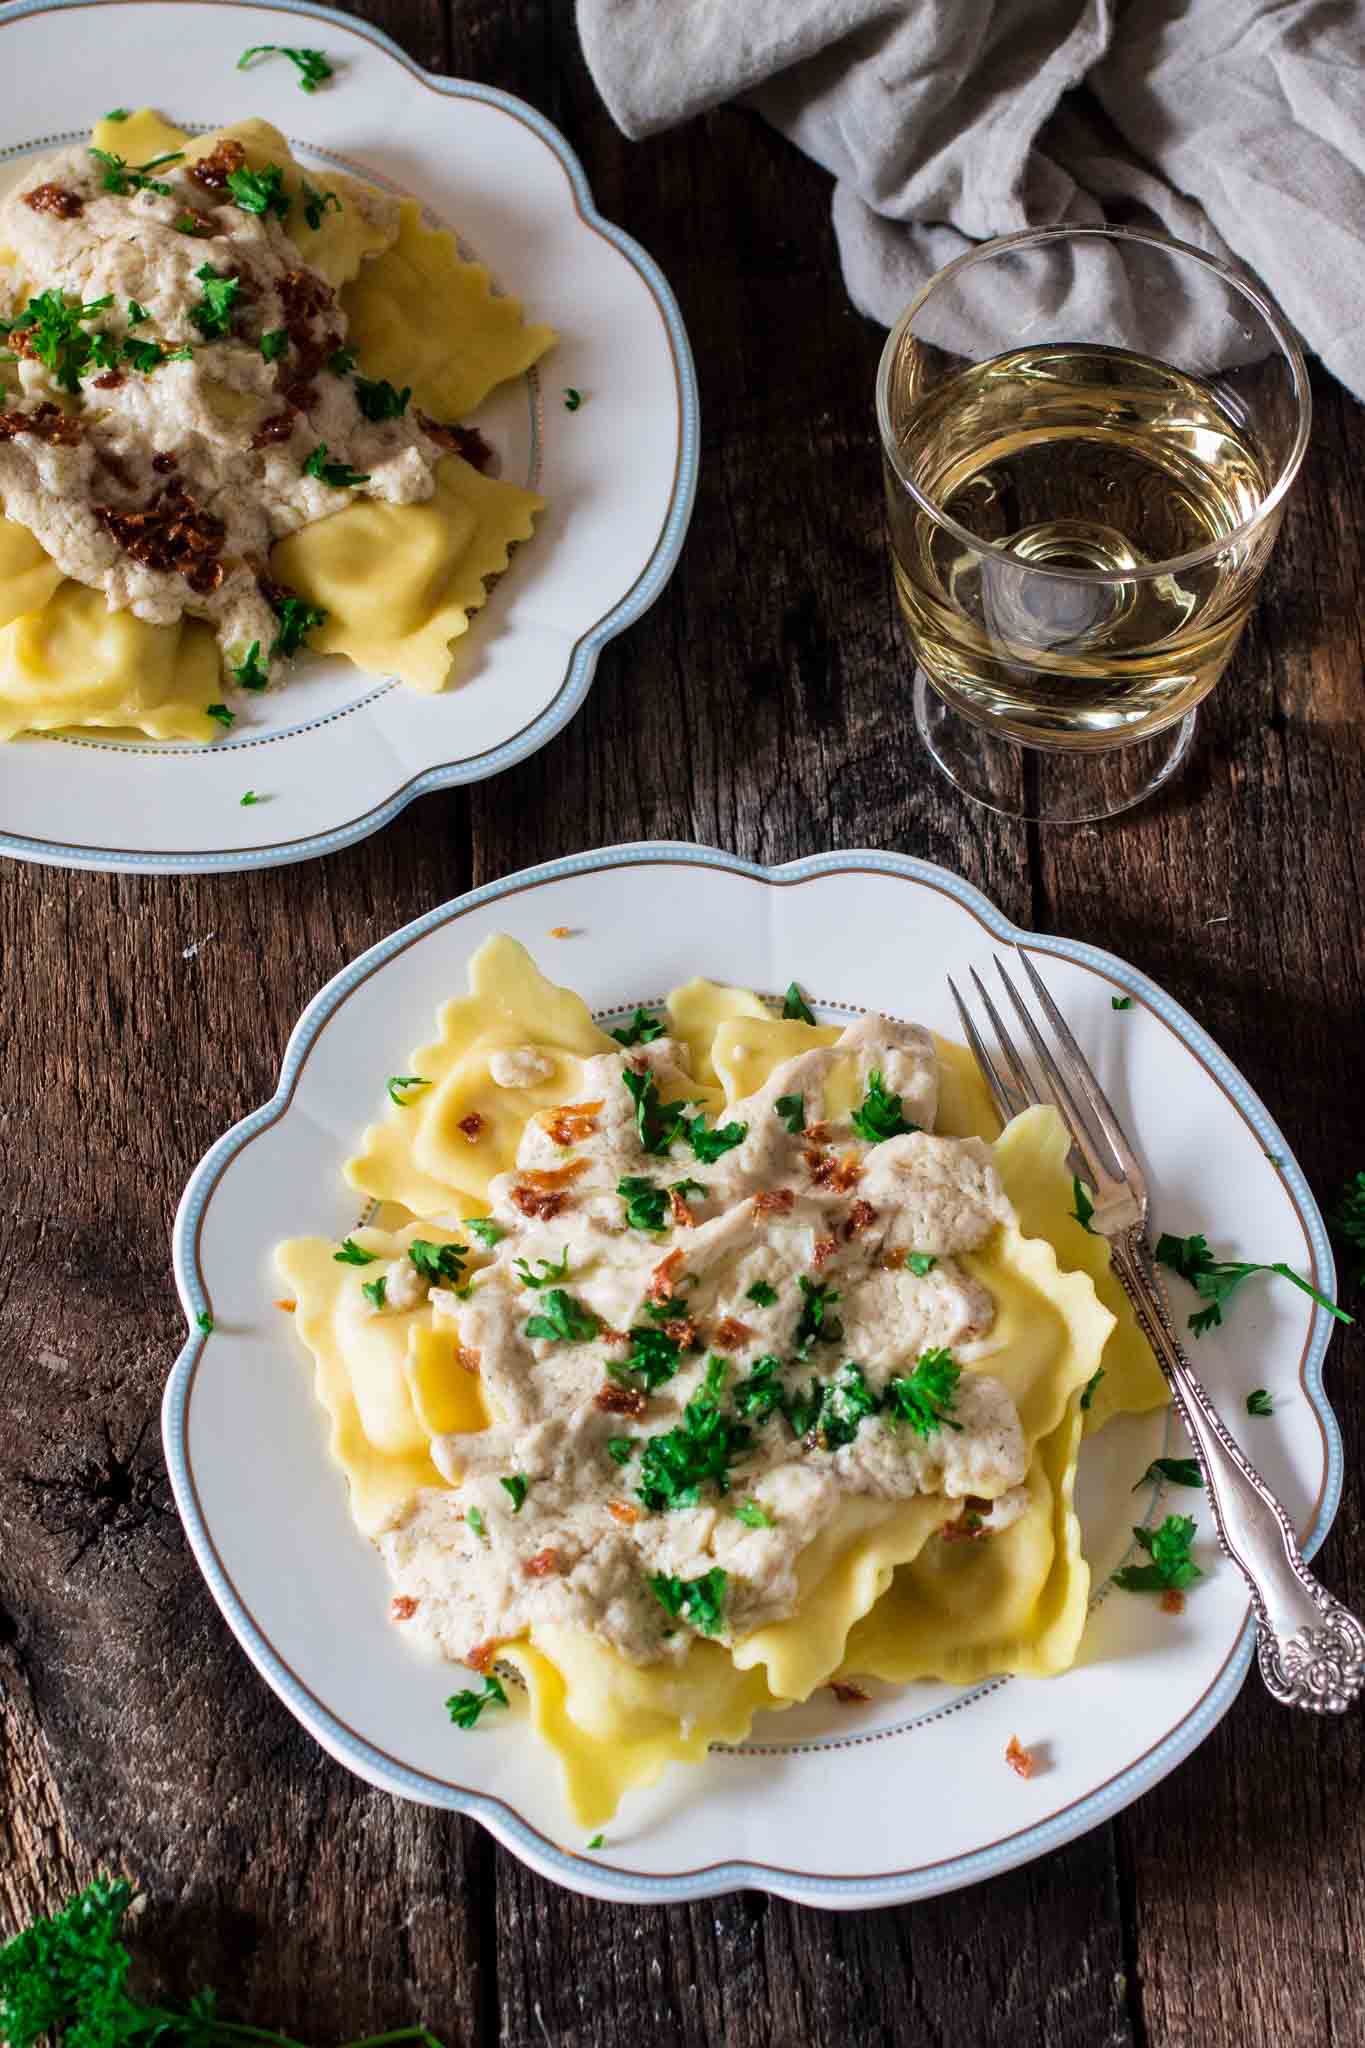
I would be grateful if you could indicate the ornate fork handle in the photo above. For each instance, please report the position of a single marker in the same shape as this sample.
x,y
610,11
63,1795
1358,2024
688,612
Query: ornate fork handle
x,y
1311,1648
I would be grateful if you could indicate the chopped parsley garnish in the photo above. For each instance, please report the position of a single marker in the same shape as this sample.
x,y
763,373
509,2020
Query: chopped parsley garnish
x,y
920,1263
549,1271
104,351
815,1325
248,672
137,314
879,1115
657,1124
762,1394
802,1411
679,1462
653,1357
621,1449
1348,1218
56,335
213,315
641,1030
709,1146
486,1230
1084,1208
563,1319
1171,1568
259,192
352,1254
477,1524
1091,1388
378,400
224,717
339,475
753,1515
572,399
1259,1402
180,355
437,1262
144,356
249,798
115,114
187,224
121,177
762,1293
597,1842
342,361
464,1708
794,1005
1217,1280
845,1404
516,1486
646,1202
1179,1471
274,342
297,621
1120,1002
311,65
205,1322
374,1290
699,1601
316,203
923,1397
792,1110
400,1088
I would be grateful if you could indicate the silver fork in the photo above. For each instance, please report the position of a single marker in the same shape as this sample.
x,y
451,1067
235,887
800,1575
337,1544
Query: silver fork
x,y
1311,1648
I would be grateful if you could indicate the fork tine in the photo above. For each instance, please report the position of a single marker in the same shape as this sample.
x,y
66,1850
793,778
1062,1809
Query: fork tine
x,y
1024,1084
989,1073
1082,1137
1083,1074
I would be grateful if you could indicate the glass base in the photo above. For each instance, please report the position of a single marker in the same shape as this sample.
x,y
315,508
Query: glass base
x,y
1052,785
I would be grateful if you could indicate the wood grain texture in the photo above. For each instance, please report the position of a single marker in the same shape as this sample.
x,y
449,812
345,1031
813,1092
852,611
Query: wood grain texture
x,y
762,705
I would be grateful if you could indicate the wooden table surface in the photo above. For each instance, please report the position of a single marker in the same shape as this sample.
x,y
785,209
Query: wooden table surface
x,y
761,706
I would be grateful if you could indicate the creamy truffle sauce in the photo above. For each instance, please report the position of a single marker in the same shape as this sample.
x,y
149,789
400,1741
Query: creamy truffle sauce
x,y
226,431
582,1547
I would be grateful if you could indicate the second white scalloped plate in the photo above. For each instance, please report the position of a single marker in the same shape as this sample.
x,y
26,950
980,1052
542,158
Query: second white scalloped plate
x,y
909,1795
336,754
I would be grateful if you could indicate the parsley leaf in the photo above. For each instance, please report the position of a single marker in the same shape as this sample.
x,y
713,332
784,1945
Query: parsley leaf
x,y
374,1290
339,475
679,1462
248,672
1179,1471
438,1262
250,798
213,315
137,314
259,192
274,342
464,1708
316,203
1120,1002
121,177
1084,1208
700,1601
1091,1387
342,361
597,1842
794,1004
792,1110
845,1404
563,1319
1217,1280
401,1085
57,336
753,1515
920,1263
311,65
879,1116
378,400
1348,1219
297,620
762,1394
572,399
656,1123
621,1449
115,114
486,1230
1260,1403
923,1397
653,1357
477,1524
205,1322
709,1146
641,1030
352,1254
549,1271
762,1293
145,356
104,353
220,712
815,1325
646,1203
516,1486
1171,1565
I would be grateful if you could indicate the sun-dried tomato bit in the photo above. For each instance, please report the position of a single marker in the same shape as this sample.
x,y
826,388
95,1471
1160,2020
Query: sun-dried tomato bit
x,y
1173,1601
56,200
817,1133
774,1202
571,1124
543,1203
622,1511
278,427
859,1217
663,1280
822,1250
49,423
214,170
468,1359
681,1214
613,1399
555,1176
471,1127
731,1333
544,1565
402,1607
173,533
561,931
469,444
838,1175
848,1695
1020,1760
683,1330
286,1304
480,1658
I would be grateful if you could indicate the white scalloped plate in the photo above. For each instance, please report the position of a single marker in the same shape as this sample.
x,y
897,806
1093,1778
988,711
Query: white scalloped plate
x,y
896,1800
336,754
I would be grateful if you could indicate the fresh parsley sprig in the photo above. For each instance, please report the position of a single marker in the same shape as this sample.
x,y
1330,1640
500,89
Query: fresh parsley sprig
x,y
378,400
339,475
1172,1568
259,192
815,1324
352,1254
297,621
214,313
311,65
879,1115
563,1319
795,1006
653,1358
709,1146
121,177
657,1124
642,1029
698,1601
439,1263
923,1397
792,1111
677,1463
316,203
404,1087
551,1271
486,1230
1178,1471
1216,1280
464,1708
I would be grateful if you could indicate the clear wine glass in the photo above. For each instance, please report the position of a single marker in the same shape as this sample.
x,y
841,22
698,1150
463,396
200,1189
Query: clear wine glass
x,y
1088,435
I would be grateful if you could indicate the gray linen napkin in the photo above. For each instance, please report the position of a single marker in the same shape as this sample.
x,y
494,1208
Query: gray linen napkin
x,y
1238,125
